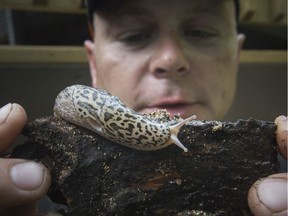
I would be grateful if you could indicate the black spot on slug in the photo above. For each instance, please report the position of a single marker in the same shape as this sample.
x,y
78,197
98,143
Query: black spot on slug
x,y
99,104
120,134
94,95
84,96
115,126
139,127
148,132
108,116
111,107
142,137
130,116
128,120
120,110
130,128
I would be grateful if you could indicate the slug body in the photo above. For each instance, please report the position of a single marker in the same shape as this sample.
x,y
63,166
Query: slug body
x,y
105,114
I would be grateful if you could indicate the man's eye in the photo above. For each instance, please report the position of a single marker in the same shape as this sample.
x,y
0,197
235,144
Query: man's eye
x,y
199,34
136,38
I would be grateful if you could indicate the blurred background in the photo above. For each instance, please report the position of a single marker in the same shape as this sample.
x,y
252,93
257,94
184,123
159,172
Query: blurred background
x,y
41,52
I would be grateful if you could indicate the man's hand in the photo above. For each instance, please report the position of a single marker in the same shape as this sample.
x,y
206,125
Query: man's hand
x,y
22,182
268,196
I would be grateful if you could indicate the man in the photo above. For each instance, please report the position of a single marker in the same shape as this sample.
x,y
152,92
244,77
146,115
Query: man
x,y
176,55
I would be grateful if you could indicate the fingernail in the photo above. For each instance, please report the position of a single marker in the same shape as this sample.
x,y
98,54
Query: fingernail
x,y
273,193
27,175
4,111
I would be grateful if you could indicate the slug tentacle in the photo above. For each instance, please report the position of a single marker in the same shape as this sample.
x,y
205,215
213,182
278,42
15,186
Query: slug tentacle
x,y
105,114
175,129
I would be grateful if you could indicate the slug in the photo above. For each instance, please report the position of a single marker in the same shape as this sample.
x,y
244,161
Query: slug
x,y
103,113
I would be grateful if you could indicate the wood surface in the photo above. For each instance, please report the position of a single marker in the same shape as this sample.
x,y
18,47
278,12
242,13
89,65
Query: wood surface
x,y
93,176
76,54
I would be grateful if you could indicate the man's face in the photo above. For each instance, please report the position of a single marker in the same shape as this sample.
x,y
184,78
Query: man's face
x,y
176,55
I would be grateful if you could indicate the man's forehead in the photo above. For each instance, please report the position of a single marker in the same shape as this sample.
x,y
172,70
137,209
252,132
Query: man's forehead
x,y
139,7
130,7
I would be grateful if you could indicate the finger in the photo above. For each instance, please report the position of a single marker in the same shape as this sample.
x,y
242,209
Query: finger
x,y
12,120
281,134
22,182
268,196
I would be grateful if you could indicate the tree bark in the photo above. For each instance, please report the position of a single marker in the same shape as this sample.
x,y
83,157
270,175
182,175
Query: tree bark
x,y
94,176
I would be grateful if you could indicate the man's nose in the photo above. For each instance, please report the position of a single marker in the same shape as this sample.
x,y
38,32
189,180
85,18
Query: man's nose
x,y
169,59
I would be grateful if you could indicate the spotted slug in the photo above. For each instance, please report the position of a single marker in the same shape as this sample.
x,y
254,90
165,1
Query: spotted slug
x,y
103,113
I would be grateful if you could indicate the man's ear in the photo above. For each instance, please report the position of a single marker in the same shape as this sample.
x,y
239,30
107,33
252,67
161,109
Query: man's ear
x,y
240,43
89,47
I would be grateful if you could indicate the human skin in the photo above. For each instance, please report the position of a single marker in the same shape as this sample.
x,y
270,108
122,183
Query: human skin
x,y
176,55
142,76
22,182
268,196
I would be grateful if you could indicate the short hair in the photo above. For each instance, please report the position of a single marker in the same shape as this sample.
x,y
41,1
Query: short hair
x,y
92,6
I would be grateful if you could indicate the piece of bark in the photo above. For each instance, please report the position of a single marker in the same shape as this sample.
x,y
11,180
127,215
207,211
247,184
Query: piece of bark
x,y
93,176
